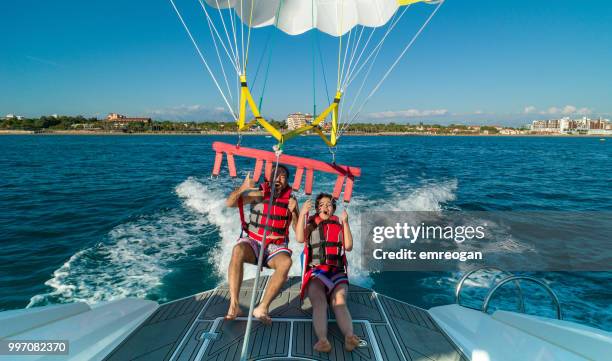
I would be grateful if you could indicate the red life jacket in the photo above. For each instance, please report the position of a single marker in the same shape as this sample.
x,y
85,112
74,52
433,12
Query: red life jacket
x,y
279,217
326,242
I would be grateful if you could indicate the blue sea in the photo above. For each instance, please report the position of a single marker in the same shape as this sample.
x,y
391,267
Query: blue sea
x,y
96,218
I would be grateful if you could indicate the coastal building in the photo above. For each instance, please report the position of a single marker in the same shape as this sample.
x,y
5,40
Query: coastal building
x,y
122,121
567,125
115,117
509,131
298,120
13,116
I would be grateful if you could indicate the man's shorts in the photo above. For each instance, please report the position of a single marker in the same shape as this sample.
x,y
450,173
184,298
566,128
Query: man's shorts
x,y
270,251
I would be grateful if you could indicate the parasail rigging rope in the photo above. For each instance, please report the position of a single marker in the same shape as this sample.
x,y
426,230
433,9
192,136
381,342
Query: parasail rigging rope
x,y
217,49
195,44
249,325
397,60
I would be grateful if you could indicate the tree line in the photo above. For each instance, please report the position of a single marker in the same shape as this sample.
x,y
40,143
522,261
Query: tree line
x,y
80,122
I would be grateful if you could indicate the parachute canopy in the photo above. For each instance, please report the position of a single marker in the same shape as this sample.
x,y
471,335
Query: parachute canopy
x,y
352,24
334,17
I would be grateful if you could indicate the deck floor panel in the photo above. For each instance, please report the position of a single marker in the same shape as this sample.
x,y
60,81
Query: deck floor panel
x,y
194,341
193,329
417,339
219,304
304,338
266,341
162,328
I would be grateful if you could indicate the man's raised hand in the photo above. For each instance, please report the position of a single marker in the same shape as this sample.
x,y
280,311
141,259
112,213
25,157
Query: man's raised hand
x,y
248,184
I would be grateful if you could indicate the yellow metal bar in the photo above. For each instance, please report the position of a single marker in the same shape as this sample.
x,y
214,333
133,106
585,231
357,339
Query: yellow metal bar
x,y
410,2
244,90
322,135
298,131
246,98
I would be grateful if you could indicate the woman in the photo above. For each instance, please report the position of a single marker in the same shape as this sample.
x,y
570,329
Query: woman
x,y
325,280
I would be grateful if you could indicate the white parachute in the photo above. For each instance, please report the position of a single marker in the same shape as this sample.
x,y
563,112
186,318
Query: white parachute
x,y
354,23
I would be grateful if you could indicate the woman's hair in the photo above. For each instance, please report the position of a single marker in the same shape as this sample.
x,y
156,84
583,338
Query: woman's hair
x,y
325,195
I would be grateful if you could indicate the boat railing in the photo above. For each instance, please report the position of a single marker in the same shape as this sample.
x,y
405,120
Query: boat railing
x,y
494,286
467,275
516,279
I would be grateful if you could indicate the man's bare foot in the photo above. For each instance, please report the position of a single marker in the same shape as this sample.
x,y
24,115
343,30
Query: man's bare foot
x,y
261,313
350,342
322,346
233,312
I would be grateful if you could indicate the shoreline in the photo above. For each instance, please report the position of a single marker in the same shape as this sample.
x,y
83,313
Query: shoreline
x,y
387,134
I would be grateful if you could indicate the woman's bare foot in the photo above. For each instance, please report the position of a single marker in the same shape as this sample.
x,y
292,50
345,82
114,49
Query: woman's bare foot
x,y
233,312
322,346
261,313
351,342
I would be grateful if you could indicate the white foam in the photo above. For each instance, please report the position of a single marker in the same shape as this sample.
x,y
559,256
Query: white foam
x,y
207,197
131,263
137,255
429,197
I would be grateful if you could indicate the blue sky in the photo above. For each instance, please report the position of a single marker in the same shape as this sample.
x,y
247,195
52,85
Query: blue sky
x,y
479,61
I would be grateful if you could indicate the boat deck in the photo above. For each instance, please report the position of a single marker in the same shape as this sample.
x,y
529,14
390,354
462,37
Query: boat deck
x,y
193,328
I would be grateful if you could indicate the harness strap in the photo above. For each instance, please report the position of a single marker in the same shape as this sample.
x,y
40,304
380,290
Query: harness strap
x,y
327,244
245,225
270,228
272,216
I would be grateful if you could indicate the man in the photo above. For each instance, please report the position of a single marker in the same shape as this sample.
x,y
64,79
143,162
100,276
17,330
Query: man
x,y
276,221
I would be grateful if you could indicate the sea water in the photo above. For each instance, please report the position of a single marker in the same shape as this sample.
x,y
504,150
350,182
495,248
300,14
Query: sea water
x,y
97,218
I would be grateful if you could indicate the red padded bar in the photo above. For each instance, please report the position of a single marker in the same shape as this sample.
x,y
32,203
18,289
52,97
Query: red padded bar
x,y
309,180
338,186
287,159
343,171
297,181
268,170
348,189
218,160
258,168
231,164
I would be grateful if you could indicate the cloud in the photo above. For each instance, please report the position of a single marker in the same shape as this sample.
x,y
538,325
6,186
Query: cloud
x,y
194,112
529,109
42,61
409,113
565,110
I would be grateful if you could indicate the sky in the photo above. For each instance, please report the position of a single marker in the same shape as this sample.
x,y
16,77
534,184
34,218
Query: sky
x,y
477,62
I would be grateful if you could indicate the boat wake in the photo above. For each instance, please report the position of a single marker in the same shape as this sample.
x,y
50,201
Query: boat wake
x,y
135,257
131,261
208,199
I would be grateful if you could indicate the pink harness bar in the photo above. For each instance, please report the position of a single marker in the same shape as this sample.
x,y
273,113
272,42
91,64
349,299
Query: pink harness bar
x,y
264,161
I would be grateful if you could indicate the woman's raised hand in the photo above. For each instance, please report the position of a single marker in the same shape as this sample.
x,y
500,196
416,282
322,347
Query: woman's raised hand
x,y
306,207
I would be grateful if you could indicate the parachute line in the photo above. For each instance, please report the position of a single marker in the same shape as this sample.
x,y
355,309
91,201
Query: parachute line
x,y
398,59
197,47
379,45
351,69
246,56
229,41
211,28
346,48
353,53
376,52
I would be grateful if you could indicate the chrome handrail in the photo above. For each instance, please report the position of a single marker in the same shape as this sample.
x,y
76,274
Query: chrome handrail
x,y
468,274
516,279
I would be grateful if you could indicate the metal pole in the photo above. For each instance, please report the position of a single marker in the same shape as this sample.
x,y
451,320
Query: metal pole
x,y
247,332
